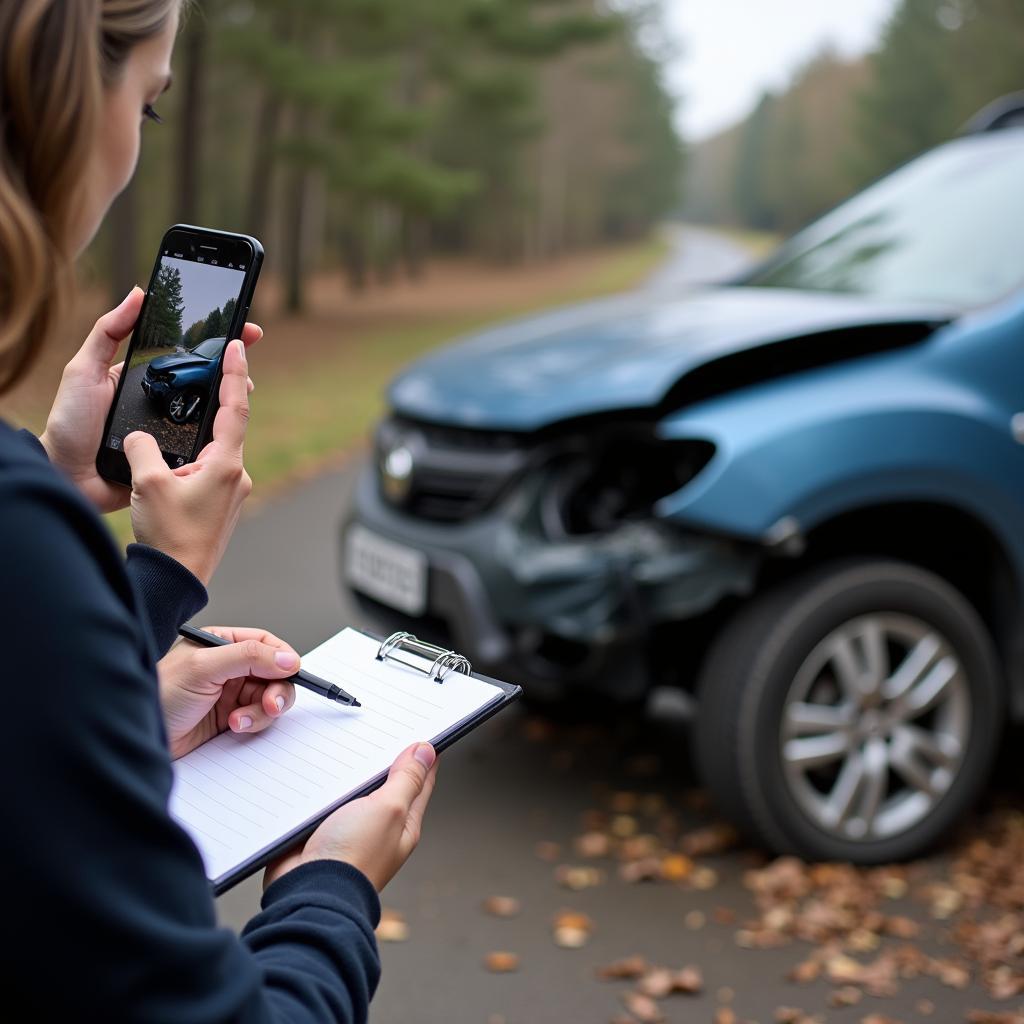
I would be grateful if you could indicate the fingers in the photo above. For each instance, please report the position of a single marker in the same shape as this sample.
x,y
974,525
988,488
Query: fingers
x,y
414,822
408,776
248,657
111,329
274,700
233,415
251,333
236,634
143,455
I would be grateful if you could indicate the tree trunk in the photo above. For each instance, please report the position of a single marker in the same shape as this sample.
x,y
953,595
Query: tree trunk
x,y
190,119
293,247
262,164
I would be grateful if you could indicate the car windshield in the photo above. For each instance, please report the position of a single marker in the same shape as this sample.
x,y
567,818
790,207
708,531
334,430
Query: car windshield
x,y
209,349
948,227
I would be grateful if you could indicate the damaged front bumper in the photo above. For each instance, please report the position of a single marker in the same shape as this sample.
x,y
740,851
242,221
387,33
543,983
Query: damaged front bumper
x,y
551,612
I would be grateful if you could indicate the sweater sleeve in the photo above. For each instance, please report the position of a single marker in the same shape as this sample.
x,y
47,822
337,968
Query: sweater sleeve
x,y
103,887
170,594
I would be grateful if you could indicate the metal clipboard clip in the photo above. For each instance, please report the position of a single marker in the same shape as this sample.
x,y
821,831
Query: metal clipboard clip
x,y
443,661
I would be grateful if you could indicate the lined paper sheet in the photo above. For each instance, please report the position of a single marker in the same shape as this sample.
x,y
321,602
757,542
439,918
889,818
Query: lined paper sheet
x,y
238,795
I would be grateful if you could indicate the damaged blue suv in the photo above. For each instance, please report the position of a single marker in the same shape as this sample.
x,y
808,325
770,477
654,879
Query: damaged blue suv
x,y
798,497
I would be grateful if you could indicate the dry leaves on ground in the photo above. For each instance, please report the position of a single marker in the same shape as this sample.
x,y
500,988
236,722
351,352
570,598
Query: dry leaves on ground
x,y
845,912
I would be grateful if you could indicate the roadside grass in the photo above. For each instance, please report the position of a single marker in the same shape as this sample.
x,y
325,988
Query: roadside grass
x,y
148,355
305,415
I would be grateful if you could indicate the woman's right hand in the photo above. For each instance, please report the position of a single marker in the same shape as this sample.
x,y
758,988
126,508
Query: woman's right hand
x,y
190,512
375,833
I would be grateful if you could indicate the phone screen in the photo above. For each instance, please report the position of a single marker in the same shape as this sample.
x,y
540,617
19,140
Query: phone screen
x,y
173,362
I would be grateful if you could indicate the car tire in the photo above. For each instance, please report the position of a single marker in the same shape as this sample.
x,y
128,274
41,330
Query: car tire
x,y
810,668
184,406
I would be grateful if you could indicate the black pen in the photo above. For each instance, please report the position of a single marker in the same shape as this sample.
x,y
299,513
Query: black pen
x,y
301,678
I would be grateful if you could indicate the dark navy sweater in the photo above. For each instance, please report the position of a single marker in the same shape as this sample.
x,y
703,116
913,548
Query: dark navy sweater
x,y
107,912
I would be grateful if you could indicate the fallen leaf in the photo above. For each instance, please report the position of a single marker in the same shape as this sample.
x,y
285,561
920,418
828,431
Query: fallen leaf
x,y
392,927
712,839
624,825
501,962
571,929
502,906
676,867
593,844
656,983
628,968
577,878
643,1008
848,995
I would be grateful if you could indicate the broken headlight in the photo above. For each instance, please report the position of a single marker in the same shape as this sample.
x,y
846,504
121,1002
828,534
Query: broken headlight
x,y
618,479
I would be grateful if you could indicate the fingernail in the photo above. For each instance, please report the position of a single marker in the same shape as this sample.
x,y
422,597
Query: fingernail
x,y
279,701
424,753
241,347
245,722
285,659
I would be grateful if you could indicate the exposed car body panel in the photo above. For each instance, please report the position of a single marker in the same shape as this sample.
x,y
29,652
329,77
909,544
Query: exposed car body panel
x,y
909,426
625,353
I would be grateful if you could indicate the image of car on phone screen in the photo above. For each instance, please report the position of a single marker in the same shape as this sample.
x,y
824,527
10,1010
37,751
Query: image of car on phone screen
x,y
178,384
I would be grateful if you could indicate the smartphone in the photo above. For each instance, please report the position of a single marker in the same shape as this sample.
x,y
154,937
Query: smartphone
x,y
198,298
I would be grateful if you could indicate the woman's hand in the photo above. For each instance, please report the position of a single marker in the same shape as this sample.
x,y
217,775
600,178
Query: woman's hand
x,y
74,427
206,690
190,512
375,833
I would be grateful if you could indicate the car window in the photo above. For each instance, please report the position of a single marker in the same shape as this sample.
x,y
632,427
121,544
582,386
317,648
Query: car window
x,y
210,348
947,227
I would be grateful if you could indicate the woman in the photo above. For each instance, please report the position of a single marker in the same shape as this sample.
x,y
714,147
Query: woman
x,y
108,913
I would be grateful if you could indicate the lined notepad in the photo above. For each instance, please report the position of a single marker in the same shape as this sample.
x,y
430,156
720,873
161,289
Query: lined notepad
x,y
239,796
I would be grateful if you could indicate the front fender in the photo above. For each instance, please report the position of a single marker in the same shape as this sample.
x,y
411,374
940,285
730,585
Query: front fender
x,y
813,447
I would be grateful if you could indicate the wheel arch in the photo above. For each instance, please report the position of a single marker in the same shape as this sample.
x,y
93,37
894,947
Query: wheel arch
x,y
943,538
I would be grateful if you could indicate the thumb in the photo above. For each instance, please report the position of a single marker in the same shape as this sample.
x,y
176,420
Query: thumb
x,y
112,328
246,658
144,458
409,774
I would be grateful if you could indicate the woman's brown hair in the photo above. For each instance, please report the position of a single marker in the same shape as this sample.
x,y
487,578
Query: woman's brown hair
x,y
56,58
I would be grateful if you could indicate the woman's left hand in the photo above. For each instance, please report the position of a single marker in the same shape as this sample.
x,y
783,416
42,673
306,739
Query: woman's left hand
x,y
207,690
75,425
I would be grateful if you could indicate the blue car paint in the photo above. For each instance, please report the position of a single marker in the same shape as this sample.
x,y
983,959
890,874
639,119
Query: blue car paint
x,y
623,353
928,423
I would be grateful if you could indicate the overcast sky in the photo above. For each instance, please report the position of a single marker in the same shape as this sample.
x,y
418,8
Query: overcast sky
x,y
204,288
731,50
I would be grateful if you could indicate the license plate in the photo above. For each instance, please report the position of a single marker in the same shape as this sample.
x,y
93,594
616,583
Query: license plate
x,y
391,573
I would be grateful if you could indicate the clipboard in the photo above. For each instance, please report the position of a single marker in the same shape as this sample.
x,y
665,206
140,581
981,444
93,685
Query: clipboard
x,y
429,666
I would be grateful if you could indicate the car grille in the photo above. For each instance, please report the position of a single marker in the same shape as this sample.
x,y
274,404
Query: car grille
x,y
456,473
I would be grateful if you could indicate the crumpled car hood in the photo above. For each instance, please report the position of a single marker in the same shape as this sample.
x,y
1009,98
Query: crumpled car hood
x,y
618,354
176,361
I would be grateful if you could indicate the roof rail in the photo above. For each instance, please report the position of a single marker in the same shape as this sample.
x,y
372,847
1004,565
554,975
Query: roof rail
x,y
1005,112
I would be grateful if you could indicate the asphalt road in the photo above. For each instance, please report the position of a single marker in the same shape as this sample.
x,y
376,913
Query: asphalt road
x,y
510,786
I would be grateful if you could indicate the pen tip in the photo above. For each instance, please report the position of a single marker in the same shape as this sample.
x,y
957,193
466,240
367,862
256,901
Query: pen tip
x,y
355,703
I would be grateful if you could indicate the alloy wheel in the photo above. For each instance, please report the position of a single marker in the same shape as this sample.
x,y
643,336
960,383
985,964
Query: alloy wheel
x,y
875,726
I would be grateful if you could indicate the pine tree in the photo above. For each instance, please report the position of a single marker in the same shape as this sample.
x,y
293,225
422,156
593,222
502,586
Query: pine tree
x,y
164,308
